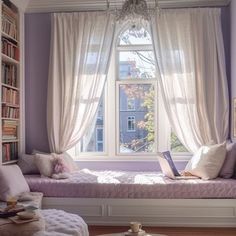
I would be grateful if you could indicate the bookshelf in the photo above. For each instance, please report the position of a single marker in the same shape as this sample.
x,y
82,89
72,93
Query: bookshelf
x,y
10,83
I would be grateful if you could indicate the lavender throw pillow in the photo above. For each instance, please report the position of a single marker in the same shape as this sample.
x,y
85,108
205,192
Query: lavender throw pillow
x,y
12,182
227,169
27,164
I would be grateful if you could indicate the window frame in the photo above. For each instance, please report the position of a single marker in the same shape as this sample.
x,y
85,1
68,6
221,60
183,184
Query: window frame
x,y
111,106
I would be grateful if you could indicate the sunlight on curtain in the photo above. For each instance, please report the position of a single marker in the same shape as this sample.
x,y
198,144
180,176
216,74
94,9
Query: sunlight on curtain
x,y
190,57
80,52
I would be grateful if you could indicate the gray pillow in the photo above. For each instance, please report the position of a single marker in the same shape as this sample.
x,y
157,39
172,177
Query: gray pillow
x,y
27,164
228,167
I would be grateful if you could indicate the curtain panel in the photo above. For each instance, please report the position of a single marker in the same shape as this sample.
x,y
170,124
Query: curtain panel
x,y
80,51
189,50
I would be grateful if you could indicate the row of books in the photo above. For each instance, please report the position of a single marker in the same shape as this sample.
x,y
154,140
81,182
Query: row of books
x,y
9,129
10,49
9,74
10,96
10,112
9,27
9,151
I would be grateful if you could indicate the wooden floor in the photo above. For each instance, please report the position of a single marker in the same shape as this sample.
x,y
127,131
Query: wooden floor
x,y
97,230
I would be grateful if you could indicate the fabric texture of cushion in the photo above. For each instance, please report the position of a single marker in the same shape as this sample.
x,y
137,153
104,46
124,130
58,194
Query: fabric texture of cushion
x,y
27,164
44,162
12,182
227,169
207,161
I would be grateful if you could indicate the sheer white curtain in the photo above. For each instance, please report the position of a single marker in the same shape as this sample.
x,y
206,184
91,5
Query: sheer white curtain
x,y
80,50
189,49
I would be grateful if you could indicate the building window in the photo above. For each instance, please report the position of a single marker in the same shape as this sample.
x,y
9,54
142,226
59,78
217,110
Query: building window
x,y
99,139
130,104
131,119
131,123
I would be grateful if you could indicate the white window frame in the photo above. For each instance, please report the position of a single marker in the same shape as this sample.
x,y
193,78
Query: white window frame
x,y
111,117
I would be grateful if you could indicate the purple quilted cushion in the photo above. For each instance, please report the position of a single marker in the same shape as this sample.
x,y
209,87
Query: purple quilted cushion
x,y
227,169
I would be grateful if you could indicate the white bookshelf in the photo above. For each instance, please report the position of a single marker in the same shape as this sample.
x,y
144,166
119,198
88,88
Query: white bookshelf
x,y
10,83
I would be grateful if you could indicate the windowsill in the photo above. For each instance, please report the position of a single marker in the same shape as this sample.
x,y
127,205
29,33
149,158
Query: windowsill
x,y
176,158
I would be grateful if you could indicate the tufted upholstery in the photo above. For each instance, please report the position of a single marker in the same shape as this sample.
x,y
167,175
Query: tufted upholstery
x,y
61,223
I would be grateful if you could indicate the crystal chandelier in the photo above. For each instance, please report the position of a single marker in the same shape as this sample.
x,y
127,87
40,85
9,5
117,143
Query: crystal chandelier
x,y
134,11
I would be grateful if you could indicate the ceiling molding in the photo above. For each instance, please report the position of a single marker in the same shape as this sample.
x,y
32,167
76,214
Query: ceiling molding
x,y
21,4
36,6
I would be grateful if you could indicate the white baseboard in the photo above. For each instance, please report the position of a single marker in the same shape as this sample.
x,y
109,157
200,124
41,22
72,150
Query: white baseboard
x,y
151,212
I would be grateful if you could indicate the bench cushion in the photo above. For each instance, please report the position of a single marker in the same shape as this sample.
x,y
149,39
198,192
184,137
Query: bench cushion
x,y
120,184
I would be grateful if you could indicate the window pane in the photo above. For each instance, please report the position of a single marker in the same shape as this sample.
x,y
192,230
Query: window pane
x,y
136,65
130,104
136,127
131,123
132,36
176,145
94,139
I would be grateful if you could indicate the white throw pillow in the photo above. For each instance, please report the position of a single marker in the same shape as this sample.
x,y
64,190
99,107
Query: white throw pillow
x,y
207,161
12,182
44,162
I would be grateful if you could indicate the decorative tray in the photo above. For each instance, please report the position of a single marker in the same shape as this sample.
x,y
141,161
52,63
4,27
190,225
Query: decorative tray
x,y
11,212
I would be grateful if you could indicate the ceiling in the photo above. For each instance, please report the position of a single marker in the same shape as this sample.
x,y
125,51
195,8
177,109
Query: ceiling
x,y
82,5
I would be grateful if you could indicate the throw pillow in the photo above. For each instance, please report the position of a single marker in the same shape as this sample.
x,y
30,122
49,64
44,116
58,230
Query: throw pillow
x,y
12,182
44,162
207,161
27,164
70,162
60,165
227,169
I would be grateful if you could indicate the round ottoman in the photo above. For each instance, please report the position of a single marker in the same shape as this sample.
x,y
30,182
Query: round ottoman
x,y
61,223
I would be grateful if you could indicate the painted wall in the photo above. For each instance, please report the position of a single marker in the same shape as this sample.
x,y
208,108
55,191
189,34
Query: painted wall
x,y
37,46
37,40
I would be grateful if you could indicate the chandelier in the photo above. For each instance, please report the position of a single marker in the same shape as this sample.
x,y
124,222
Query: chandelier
x,y
133,11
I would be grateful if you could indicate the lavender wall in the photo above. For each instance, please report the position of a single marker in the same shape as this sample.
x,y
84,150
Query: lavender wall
x,y
37,45
37,36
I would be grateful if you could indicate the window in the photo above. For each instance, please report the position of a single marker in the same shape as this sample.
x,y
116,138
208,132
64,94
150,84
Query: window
x,y
130,104
92,141
130,123
99,139
131,120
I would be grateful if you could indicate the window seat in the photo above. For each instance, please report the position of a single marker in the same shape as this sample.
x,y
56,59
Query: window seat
x,y
118,197
138,185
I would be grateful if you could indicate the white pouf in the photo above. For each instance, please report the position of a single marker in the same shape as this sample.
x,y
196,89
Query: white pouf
x,y
61,223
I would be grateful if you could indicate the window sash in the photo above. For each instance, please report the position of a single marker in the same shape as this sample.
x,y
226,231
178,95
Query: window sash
x,y
152,82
